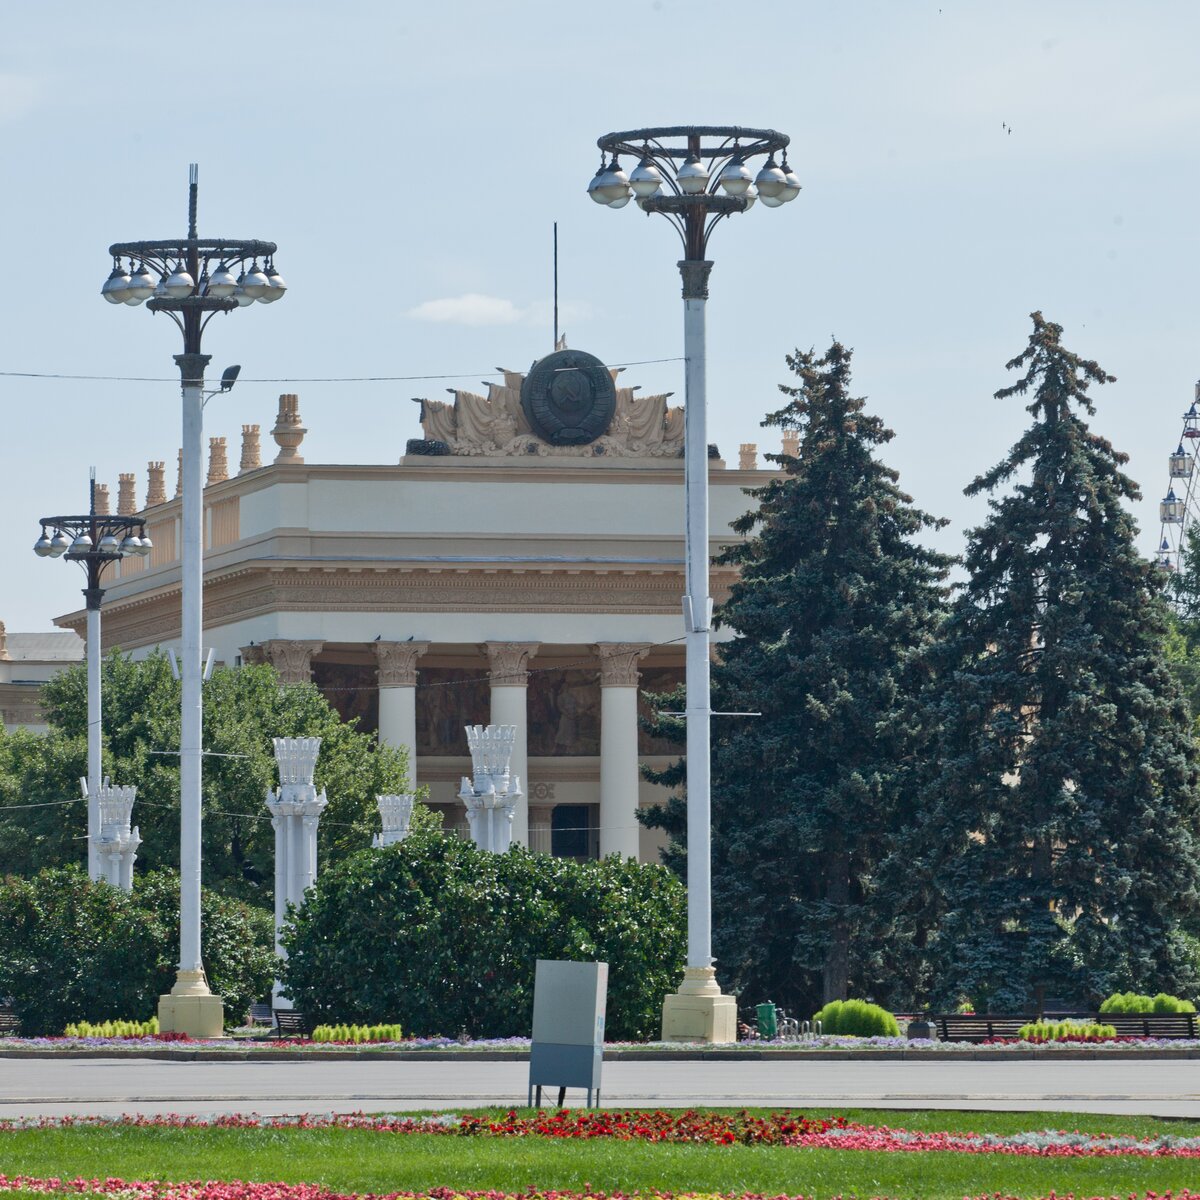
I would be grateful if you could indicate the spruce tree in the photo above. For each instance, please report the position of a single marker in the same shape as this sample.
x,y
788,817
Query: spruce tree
x,y
1061,830
834,599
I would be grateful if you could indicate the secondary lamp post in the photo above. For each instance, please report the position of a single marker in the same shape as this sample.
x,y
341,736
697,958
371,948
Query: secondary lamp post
x,y
191,279
95,541
695,176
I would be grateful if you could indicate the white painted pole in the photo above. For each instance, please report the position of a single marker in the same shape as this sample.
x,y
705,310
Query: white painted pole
x,y
191,712
697,605
94,777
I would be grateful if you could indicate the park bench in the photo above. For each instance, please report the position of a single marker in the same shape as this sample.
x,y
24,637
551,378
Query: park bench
x,y
10,1023
978,1027
1151,1025
260,1014
292,1024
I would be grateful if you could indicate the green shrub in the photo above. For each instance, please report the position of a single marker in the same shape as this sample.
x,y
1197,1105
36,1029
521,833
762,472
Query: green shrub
x,y
442,936
76,951
1057,1031
119,1029
1133,1002
857,1018
357,1033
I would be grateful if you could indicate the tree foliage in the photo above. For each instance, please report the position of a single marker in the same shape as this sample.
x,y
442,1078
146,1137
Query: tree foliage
x,y
1059,838
440,936
835,599
244,709
75,950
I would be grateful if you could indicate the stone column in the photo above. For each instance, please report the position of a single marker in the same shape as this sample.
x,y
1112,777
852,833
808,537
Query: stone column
x,y
619,677
218,461
126,499
398,697
251,449
117,843
508,664
295,809
395,816
494,793
156,484
291,659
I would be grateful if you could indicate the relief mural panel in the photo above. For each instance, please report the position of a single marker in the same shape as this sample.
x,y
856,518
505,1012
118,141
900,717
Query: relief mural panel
x,y
352,690
448,699
564,713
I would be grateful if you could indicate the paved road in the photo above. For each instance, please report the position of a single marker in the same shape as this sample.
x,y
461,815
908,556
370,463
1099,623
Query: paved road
x,y
34,1087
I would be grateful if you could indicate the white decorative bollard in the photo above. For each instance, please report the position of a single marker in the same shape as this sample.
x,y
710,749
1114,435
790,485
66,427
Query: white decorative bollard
x,y
116,844
395,814
492,795
295,812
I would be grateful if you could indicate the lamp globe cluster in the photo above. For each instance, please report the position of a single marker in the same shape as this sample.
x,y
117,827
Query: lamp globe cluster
x,y
110,546
774,184
134,284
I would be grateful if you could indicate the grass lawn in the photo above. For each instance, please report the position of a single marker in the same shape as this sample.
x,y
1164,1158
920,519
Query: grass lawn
x,y
366,1161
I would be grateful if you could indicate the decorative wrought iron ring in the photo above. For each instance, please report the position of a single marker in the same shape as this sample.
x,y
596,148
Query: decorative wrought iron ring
x,y
164,254
96,526
757,141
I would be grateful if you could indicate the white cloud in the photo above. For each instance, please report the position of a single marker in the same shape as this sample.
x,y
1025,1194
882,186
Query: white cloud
x,y
472,308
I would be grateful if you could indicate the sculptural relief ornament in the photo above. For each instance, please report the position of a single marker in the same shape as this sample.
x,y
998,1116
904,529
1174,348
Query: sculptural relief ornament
x,y
568,404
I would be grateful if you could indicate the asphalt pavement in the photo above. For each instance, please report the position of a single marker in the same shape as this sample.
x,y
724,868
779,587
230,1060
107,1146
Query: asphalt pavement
x,y
112,1086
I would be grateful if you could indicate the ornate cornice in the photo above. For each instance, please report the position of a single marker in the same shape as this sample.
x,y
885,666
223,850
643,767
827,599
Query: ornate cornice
x,y
398,662
291,659
507,662
619,662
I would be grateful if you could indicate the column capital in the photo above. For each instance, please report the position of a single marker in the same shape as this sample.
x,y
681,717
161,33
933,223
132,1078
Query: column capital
x,y
253,655
619,662
508,662
398,662
292,659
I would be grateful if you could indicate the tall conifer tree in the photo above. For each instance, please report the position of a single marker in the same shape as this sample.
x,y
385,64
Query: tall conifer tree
x,y
834,599
1061,831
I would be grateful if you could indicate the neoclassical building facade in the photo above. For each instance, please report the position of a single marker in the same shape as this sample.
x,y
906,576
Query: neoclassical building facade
x,y
522,563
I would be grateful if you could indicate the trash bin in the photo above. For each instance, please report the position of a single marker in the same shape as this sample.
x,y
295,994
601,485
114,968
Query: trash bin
x,y
767,1027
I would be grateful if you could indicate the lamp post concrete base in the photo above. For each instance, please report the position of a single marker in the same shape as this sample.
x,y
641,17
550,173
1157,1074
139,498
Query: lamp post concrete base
x,y
189,1007
699,1011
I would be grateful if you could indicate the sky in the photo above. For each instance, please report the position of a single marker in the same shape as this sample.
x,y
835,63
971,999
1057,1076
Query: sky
x,y
410,162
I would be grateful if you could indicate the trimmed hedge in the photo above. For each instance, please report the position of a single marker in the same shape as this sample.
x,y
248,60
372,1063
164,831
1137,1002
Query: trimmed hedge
x,y
857,1018
1133,1002
74,950
441,936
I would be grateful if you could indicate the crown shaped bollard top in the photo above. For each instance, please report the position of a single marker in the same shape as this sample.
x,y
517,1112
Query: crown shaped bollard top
x,y
297,759
395,815
491,749
116,809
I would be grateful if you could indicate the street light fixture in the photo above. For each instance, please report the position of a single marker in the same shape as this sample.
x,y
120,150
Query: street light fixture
x,y
95,541
194,276
695,176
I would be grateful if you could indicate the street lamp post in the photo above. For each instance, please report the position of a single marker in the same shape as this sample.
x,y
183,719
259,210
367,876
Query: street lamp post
x,y
95,541
195,280
695,176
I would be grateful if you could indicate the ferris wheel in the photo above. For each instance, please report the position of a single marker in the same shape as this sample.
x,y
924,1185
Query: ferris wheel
x,y
1181,505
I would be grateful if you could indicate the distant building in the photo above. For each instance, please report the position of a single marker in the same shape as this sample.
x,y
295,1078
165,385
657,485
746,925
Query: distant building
x,y
522,563
27,660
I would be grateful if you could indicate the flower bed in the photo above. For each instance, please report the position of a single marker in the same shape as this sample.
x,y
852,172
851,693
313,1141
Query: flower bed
x,y
195,1190
691,1127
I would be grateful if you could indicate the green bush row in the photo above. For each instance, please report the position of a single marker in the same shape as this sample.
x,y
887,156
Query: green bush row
x,y
1132,1002
76,951
857,1018
357,1033
441,936
112,1029
1057,1031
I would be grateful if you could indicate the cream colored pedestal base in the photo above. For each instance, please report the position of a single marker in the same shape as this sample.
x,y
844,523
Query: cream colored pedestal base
x,y
191,1008
698,1012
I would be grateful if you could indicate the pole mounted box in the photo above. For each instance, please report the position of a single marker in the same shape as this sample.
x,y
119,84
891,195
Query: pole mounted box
x,y
569,1000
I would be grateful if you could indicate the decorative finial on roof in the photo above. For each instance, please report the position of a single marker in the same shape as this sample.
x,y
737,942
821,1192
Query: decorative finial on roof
x,y
748,457
126,497
251,451
289,431
156,488
218,462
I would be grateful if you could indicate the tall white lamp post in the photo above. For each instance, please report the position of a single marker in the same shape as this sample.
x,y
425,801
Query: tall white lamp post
x,y
695,175
195,280
95,541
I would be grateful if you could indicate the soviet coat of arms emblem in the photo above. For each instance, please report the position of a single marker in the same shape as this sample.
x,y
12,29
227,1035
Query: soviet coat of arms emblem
x,y
569,397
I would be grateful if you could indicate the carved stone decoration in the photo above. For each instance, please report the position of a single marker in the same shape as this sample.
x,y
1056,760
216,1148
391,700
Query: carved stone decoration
x,y
179,475
619,662
289,431
500,424
251,450
508,662
395,816
569,398
253,656
748,457
156,483
398,662
218,461
3,643
102,508
491,795
126,498
117,843
791,442
291,659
